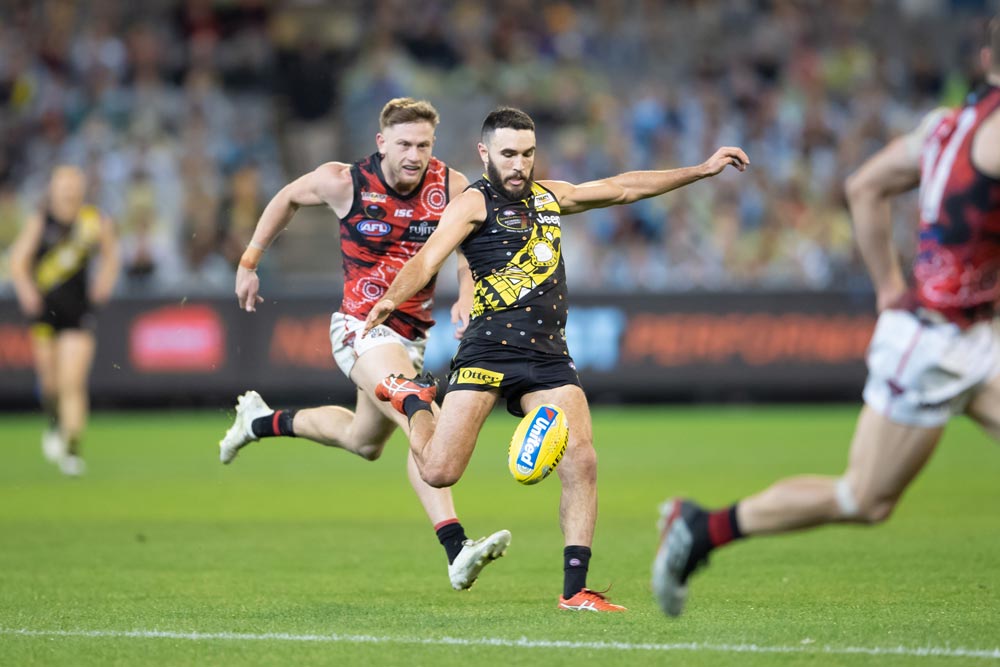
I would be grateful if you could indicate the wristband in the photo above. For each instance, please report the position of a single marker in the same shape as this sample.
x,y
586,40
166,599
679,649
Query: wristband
x,y
257,246
251,258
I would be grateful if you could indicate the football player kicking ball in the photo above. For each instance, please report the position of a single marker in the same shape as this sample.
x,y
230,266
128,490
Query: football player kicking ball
x,y
935,352
388,204
509,227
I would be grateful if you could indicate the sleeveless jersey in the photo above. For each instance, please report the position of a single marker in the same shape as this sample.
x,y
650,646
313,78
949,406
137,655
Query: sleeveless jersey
x,y
380,233
957,266
516,261
60,263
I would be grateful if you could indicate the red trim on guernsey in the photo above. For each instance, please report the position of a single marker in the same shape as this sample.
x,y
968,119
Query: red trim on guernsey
x,y
720,531
446,522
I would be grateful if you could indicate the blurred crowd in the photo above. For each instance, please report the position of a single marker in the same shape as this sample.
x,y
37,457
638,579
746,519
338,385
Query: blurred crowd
x,y
188,116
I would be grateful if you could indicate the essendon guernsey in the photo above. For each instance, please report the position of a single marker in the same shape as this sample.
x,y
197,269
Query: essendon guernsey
x,y
380,233
957,267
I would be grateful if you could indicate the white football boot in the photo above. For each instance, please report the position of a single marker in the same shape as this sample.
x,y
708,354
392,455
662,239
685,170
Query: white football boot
x,y
72,465
53,446
474,556
249,406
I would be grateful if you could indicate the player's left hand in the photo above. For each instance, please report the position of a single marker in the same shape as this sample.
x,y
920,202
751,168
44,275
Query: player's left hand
x,y
99,295
460,312
378,314
724,157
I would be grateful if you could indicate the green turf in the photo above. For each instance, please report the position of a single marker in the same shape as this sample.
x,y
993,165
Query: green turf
x,y
297,539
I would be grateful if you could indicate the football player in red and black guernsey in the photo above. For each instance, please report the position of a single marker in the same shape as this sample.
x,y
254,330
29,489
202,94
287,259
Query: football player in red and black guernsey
x,y
935,352
510,228
388,205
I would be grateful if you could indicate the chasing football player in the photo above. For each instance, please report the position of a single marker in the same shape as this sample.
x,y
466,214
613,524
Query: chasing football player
x,y
935,352
50,267
509,227
388,205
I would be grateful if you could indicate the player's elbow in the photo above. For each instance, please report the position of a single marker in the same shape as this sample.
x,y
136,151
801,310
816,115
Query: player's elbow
x,y
860,188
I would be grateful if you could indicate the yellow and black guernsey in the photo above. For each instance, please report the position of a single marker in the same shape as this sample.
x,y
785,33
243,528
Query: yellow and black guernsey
x,y
516,262
516,341
60,270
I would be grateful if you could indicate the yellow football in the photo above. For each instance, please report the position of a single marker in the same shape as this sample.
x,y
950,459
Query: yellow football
x,y
538,444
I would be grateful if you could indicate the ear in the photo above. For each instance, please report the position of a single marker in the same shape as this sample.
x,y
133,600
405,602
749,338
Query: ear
x,y
380,143
986,60
484,154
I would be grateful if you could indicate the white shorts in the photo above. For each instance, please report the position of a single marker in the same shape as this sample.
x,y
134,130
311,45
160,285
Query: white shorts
x,y
921,373
348,345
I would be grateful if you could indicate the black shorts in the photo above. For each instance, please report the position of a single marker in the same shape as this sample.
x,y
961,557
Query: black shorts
x,y
62,315
510,370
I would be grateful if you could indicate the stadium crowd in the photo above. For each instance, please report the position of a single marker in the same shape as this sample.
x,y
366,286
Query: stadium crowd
x,y
188,116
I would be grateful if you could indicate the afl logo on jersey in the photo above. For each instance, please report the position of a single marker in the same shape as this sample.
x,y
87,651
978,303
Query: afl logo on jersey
x,y
515,219
374,227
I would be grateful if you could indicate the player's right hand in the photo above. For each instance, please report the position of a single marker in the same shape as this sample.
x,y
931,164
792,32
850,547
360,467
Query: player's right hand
x,y
460,313
378,314
30,302
247,286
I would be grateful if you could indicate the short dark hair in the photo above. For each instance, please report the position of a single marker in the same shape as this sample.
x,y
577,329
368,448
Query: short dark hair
x,y
407,110
508,117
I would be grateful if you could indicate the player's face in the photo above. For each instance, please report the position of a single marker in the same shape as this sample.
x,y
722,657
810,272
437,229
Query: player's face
x,y
510,161
66,192
406,148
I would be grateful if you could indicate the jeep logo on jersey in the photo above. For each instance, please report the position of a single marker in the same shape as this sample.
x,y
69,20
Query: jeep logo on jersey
x,y
548,219
515,219
374,227
419,230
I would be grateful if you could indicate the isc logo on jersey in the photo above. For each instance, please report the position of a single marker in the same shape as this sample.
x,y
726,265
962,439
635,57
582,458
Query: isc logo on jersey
x,y
538,444
374,227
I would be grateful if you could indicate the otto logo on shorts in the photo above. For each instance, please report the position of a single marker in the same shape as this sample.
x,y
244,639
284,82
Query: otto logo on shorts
x,y
476,376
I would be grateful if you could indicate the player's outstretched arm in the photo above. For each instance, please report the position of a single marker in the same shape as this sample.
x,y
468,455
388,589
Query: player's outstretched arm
x,y
459,220
328,184
632,186
891,171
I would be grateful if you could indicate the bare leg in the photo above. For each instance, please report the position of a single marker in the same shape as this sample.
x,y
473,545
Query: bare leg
x,y
985,407
74,354
44,349
885,457
578,469
442,452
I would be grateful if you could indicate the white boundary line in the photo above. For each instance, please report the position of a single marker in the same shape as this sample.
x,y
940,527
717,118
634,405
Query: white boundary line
x,y
523,642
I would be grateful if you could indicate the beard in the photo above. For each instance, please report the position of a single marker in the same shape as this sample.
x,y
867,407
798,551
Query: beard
x,y
494,175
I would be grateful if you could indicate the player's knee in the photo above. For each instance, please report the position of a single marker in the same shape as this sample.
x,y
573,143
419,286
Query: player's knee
x,y
876,511
440,476
371,452
580,462
862,507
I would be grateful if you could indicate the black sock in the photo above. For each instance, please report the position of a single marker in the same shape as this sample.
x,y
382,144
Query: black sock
x,y
277,423
73,446
451,535
413,404
576,561
50,406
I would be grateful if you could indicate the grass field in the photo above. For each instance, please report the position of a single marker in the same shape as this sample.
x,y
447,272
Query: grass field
x,y
302,555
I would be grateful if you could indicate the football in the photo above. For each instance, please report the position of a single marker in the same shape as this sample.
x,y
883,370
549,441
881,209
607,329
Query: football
x,y
538,444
